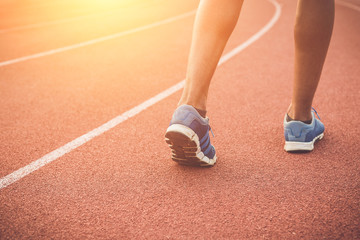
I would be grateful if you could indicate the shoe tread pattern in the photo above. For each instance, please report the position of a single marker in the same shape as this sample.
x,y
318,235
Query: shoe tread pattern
x,y
183,149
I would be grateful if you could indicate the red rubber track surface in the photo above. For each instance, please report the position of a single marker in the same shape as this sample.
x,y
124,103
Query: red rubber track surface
x,y
123,184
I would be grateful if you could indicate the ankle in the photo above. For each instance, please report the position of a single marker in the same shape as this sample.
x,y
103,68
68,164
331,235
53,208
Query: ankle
x,y
299,114
197,103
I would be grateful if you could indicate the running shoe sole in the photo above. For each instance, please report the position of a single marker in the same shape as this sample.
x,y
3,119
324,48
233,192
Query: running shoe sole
x,y
301,146
185,146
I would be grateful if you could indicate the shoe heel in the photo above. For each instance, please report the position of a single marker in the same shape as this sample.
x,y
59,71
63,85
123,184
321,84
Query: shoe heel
x,y
185,146
291,146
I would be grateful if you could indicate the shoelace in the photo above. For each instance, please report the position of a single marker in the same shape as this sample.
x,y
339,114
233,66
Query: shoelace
x,y
211,131
316,113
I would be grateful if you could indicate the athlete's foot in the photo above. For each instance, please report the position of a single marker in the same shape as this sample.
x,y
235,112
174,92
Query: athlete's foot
x,y
300,136
188,137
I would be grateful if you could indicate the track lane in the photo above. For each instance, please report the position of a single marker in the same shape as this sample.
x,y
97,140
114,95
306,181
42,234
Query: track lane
x,y
96,40
59,96
20,173
78,100
34,41
131,190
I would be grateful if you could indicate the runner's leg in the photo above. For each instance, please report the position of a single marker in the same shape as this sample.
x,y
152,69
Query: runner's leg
x,y
313,29
214,23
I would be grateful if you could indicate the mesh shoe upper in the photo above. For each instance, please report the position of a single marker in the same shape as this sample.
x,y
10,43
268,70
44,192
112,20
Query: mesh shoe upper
x,y
301,132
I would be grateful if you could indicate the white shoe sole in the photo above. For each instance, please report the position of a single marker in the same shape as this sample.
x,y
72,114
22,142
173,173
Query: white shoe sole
x,y
301,146
185,146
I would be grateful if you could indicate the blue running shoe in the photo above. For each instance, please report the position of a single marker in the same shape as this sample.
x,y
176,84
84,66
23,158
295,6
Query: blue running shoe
x,y
300,136
188,137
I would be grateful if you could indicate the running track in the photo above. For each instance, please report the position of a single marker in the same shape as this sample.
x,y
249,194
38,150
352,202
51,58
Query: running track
x,y
122,184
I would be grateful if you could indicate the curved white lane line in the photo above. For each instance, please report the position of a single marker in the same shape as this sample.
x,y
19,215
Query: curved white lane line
x,y
255,37
96,40
48,158
349,5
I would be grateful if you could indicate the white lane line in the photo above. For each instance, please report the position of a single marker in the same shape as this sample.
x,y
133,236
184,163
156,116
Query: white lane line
x,y
96,40
349,5
48,158
255,37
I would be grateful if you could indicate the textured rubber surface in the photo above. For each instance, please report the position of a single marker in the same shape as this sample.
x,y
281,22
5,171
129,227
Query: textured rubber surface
x,y
122,184
185,147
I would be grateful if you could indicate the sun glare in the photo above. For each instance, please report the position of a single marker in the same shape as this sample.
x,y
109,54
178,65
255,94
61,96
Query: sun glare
x,y
104,3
